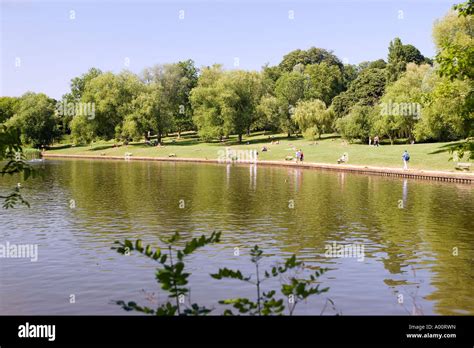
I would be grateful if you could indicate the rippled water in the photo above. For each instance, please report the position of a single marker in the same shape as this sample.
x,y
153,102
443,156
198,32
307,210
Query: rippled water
x,y
408,251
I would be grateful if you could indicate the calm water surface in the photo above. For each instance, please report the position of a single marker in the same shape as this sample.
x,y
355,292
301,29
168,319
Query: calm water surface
x,y
408,251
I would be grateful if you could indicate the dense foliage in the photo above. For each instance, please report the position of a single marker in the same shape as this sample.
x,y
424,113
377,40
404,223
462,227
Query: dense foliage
x,y
407,96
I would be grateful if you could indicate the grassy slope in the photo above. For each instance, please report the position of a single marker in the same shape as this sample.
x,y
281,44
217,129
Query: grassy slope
x,y
423,156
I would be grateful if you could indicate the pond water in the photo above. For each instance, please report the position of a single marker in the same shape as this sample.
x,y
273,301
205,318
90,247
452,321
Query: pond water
x,y
417,236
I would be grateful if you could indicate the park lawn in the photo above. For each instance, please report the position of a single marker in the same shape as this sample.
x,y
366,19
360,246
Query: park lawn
x,y
429,156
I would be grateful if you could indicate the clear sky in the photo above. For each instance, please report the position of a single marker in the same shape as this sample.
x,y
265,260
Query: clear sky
x,y
44,44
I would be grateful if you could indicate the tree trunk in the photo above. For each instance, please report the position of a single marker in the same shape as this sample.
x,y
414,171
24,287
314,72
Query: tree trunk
x,y
240,138
248,131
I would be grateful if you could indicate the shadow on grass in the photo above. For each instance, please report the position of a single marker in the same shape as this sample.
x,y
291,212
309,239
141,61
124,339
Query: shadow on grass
x,y
59,147
447,147
182,142
101,147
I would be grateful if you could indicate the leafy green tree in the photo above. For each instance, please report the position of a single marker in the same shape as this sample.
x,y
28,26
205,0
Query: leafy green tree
x,y
35,117
226,102
454,41
447,113
269,110
175,82
78,85
270,75
453,37
312,117
366,89
465,8
153,111
376,64
402,103
396,60
306,57
205,101
112,96
240,94
12,155
8,107
82,130
349,74
358,123
289,89
399,55
326,81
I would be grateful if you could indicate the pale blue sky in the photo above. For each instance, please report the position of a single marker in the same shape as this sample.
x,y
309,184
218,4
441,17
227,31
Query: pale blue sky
x,y
52,48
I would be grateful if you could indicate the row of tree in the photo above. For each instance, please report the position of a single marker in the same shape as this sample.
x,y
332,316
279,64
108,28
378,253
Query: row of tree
x,y
309,92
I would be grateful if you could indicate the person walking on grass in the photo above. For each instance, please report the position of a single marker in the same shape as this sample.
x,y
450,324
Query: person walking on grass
x,y
301,155
406,158
376,140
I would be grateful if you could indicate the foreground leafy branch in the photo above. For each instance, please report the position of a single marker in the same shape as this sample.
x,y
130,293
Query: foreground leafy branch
x,y
172,278
170,275
294,288
11,151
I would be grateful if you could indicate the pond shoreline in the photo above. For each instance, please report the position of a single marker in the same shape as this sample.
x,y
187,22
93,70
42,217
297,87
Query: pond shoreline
x,y
467,178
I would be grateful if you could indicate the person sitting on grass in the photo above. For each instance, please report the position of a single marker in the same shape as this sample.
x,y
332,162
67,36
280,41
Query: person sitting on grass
x,y
342,159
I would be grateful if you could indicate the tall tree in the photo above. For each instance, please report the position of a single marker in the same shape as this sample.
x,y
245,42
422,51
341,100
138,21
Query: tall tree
x,y
176,82
447,112
35,117
312,117
366,89
205,101
152,112
358,123
289,89
326,81
454,39
399,55
402,102
311,56
240,94
112,96
78,85
8,107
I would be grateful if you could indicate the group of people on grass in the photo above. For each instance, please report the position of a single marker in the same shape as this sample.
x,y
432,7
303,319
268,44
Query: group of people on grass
x,y
299,156
376,141
405,156
344,158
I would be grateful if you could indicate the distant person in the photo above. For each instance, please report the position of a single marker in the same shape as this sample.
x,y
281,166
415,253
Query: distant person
x,y
406,158
376,140
298,155
342,159
370,141
301,155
